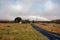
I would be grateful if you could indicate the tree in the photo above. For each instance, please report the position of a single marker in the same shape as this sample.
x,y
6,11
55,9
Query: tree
x,y
18,19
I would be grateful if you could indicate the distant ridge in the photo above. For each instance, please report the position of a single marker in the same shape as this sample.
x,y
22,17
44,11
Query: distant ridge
x,y
6,21
56,21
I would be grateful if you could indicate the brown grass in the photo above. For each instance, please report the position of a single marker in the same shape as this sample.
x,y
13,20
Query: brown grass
x,y
16,31
49,28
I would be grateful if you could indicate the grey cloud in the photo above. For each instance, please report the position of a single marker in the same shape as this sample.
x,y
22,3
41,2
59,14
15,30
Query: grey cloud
x,y
7,13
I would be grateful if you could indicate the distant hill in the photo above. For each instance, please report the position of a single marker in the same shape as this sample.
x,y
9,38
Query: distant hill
x,y
56,21
6,21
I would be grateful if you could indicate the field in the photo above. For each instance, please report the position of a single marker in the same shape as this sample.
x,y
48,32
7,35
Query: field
x,y
53,27
15,31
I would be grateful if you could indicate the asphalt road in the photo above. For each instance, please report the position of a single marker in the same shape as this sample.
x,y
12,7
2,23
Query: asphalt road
x,y
48,34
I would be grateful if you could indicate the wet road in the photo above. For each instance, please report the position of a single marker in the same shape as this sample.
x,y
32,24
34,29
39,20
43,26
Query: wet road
x,y
48,34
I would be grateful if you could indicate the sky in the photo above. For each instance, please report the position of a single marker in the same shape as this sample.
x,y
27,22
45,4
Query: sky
x,y
30,9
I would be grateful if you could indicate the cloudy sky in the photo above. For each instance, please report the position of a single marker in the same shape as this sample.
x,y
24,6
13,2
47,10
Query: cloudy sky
x,y
30,9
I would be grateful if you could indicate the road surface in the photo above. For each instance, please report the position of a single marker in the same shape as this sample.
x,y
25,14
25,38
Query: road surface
x,y
48,34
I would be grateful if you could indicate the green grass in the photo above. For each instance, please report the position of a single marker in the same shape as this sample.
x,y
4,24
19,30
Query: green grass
x,y
17,32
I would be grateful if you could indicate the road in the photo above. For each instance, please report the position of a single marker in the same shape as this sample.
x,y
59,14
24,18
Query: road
x,y
48,34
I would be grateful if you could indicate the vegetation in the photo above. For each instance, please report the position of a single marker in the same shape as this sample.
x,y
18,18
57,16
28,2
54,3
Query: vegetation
x,y
50,27
26,21
19,32
53,24
18,19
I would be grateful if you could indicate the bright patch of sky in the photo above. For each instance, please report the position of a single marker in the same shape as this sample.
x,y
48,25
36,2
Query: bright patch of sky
x,y
37,6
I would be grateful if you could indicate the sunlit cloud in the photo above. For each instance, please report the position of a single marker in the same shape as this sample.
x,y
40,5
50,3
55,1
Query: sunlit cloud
x,y
38,18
